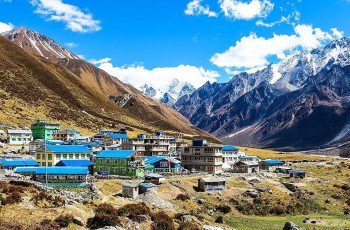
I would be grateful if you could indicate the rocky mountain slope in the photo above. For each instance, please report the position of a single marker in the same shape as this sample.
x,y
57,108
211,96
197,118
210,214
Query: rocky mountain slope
x,y
75,93
299,103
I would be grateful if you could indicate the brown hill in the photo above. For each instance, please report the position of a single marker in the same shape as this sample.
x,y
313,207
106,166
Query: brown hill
x,y
31,87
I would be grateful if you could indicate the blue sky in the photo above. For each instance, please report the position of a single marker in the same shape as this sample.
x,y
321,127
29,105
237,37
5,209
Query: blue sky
x,y
156,41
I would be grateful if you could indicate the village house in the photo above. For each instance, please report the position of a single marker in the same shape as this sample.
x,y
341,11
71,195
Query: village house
x,y
163,164
297,174
26,171
153,145
245,167
77,163
211,184
202,157
19,136
61,174
130,191
270,165
55,153
34,145
120,162
44,130
115,139
11,164
249,158
147,187
154,179
66,135
284,170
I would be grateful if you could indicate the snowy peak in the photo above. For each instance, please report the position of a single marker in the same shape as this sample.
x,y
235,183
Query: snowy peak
x,y
148,90
168,99
38,44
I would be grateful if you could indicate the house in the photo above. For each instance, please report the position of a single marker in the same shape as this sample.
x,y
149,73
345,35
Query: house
x,y
202,157
34,145
249,158
146,187
245,167
120,162
270,164
150,145
130,191
19,136
163,164
66,135
115,139
154,179
77,163
55,153
229,155
61,174
26,171
297,174
284,170
17,162
210,184
44,130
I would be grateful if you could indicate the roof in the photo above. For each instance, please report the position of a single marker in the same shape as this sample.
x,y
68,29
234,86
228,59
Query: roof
x,y
130,185
229,148
18,162
27,131
148,185
213,179
118,136
249,163
25,169
273,162
62,170
74,163
247,157
115,154
296,171
154,175
68,149
153,159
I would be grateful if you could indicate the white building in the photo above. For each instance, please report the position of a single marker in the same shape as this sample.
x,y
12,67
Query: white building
x,y
19,136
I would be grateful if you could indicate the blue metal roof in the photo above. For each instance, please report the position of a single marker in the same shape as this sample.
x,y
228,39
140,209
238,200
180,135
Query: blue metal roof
x,y
89,144
247,157
130,185
296,171
68,149
18,162
148,185
26,169
229,148
74,163
115,154
154,159
274,162
62,170
118,136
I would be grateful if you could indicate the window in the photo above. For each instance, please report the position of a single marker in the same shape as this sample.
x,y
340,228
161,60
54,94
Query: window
x,y
64,156
131,170
49,156
115,170
43,164
122,161
186,149
197,149
43,157
123,170
163,164
82,156
38,156
108,161
49,164
70,156
210,159
197,154
58,156
115,161
76,156
19,139
100,169
100,161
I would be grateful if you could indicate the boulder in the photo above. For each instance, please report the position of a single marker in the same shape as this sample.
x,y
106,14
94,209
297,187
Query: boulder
x,y
252,194
200,201
291,226
220,220
142,218
78,221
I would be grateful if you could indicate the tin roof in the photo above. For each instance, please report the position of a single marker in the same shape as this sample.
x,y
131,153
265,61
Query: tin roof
x,y
62,170
25,169
130,185
18,162
74,163
229,148
67,149
115,154
213,179
273,162
118,136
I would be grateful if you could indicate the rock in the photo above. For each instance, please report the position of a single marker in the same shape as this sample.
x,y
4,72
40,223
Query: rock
x,y
78,221
261,189
305,220
220,220
327,201
291,187
208,227
142,218
200,201
220,193
210,212
291,226
252,194
346,213
186,218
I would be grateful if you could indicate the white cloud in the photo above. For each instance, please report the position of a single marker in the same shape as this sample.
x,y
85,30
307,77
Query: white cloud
x,y
195,8
159,78
271,24
71,44
72,16
253,51
237,9
4,27
81,56
336,33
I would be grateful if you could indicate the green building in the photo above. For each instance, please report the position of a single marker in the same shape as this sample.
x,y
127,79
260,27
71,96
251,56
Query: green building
x,y
120,162
44,130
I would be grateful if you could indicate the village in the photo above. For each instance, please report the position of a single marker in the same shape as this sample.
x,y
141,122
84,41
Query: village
x,y
148,168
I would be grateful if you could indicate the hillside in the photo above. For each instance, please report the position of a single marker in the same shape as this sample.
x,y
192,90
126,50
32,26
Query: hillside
x,y
32,87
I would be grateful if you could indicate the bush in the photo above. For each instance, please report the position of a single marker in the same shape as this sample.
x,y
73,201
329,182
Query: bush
x,y
162,222
224,208
133,210
189,226
54,201
64,220
105,215
13,198
183,197
48,224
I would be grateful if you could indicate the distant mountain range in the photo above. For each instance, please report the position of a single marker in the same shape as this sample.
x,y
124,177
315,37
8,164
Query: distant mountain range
x,y
303,102
39,77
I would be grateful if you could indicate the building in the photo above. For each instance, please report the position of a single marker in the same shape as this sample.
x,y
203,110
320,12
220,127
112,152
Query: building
x,y
120,162
245,167
202,157
229,154
150,145
270,164
284,170
147,187
61,174
211,184
115,139
44,130
55,153
26,171
297,174
34,145
154,179
17,162
66,135
249,158
77,163
19,136
163,164
130,191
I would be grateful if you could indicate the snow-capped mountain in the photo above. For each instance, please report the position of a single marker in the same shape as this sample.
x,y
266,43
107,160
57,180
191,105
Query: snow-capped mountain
x,y
167,99
38,44
148,90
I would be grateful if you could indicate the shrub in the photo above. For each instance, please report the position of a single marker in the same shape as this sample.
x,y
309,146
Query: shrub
x,y
189,226
133,210
54,201
13,198
224,208
47,224
183,197
64,220
105,215
162,221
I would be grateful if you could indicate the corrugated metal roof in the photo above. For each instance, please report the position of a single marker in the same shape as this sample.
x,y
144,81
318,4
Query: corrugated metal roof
x,y
74,163
153,159
296,171
118,136
26,169
274,162
68,149
115,154
62,170
229,148
130,185
213,179
148,185
247,157
18,162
